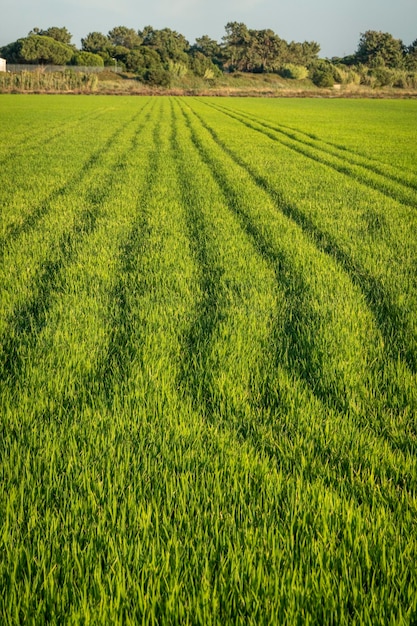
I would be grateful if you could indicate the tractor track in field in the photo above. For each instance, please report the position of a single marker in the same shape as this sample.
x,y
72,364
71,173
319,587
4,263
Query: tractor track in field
x,y
386,170
389,317
26,320
120,353
385,184
198,339
59,130
302,318
31,220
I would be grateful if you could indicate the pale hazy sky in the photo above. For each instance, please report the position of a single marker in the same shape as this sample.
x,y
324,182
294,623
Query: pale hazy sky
x,y
335,24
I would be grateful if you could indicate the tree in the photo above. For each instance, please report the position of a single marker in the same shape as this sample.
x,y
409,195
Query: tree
x,y
126,37
170,45
59,34
11,52
207,46
203,66
38,49
250,50
158,76
322,74
142,61
411,56
377,49
236,45
302,53
264,51
97,43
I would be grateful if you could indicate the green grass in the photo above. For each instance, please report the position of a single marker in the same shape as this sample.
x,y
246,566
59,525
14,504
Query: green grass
x,y
208,359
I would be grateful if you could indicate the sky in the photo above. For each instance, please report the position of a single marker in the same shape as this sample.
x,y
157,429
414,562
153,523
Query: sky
x,y
335,25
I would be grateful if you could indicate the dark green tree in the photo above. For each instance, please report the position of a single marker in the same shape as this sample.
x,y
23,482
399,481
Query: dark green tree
x,y
59,34
377,49
210,48
170,45
236,45
142,60
126,37
97,43
38,49
302,53
322,74
201,65
11,51
264,51
411,57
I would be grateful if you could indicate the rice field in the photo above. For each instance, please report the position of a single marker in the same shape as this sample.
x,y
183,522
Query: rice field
x,y
208,361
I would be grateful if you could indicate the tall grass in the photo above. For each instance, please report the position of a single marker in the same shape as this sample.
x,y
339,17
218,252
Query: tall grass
x,y
39,81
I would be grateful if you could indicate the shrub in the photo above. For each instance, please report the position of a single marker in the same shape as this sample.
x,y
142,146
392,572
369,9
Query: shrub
x,y
87,59
323,77
297,72
157,76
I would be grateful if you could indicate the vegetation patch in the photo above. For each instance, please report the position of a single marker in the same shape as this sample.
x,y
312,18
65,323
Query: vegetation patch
x,y
208,360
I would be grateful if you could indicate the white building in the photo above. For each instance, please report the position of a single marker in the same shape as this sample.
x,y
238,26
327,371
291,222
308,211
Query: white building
x,y
2,65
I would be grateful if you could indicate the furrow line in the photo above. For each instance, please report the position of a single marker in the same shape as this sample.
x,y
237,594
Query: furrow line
x,y
392,321
267,403
274,390
302,321
31,220
385,170
198,340
60,129
27,320
115,367
404,196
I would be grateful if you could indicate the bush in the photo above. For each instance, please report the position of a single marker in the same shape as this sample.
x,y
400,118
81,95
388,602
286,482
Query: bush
x,y
87,59
297,72
157,76
202,66
323,77
384,77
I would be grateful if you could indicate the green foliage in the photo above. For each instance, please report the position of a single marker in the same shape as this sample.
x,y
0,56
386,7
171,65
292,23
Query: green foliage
x,y
242,50
378,49
208,361
59,34
97,43
157,76
203,66
143,60
289,70
39,49
170,45
322,74
303,53
11,52
125,37
209,48
87,59
411,56
262,50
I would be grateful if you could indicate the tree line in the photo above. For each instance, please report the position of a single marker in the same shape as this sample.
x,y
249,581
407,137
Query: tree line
x,y
155,55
